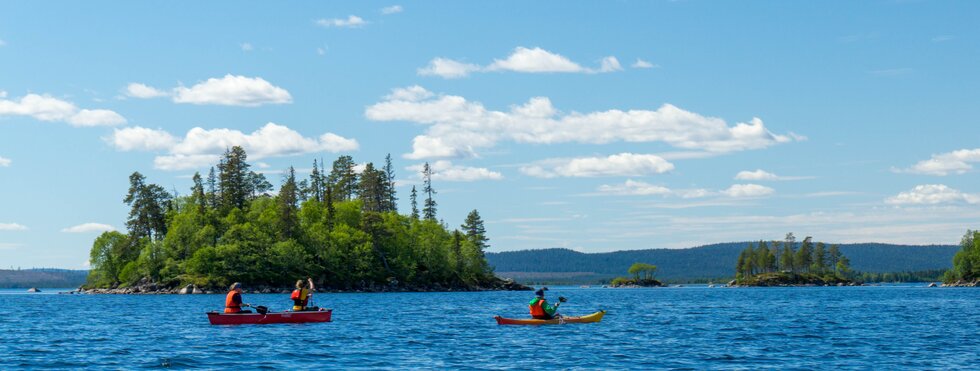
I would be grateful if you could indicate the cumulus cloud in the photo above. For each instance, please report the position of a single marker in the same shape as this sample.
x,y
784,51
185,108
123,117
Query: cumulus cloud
x,y
642,64
48,108
233,90
932,194
747,190
623,164
524,60
760,174
458,127
352,21
5,162
392,9
639,188
447,171
12,227
201,147
137,90
89,227
447,68
956,162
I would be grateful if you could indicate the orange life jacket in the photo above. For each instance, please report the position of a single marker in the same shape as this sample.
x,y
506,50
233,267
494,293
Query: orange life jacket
x,y
300,298
230,305
537,309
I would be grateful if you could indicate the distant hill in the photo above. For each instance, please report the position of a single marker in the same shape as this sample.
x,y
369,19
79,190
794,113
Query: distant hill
x,y
27,278
699,263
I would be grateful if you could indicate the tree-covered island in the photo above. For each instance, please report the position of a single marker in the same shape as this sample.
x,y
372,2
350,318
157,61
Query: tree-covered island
x,y
341,227
785,264
642,276
966,263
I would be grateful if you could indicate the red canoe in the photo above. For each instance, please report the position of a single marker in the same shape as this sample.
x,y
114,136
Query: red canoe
x,y
216,318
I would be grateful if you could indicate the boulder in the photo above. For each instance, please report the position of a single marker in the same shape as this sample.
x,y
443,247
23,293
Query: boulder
x,y
933,284
196,290
33,289
189,289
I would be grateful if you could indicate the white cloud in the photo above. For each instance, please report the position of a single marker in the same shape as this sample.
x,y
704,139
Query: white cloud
x,y
137,90
48,108
352,21
5,162
141,139
760,174
89,227
233,90
524,60
956,162
447,68
635,188
201,147
447,171
932,194
747,190
12,227
458,128
247,47
642,64
623,164
392,9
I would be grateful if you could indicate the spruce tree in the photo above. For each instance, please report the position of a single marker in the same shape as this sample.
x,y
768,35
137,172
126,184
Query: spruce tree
x,y
234,179
213,193
315,189
197,192
391,200
343,178
429,208
415,204
287,201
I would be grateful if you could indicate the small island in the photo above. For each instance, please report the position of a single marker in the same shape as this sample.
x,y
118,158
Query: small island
x,y
785,264
642,277
966,263
340,226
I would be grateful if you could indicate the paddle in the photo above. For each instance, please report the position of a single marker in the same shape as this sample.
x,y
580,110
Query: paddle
x,y
258,308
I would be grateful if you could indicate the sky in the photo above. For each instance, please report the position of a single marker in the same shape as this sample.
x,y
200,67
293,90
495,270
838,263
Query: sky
x,y
594,126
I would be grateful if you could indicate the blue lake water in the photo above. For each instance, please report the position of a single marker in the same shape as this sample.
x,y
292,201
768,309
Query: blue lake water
x,y
888,327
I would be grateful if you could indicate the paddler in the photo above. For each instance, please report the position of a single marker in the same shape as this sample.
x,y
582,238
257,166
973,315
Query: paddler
x,y
301,296
233,301
541,309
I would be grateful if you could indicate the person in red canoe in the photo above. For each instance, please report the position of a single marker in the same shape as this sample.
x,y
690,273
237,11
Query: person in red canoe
x,y
540,309
301,296
233,301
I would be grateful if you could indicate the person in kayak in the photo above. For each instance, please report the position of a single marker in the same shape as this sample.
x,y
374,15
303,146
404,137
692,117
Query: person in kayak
x,y
301,296
540,309
233,301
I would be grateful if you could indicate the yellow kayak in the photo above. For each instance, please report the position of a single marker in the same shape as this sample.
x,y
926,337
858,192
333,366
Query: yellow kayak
x,y
590,318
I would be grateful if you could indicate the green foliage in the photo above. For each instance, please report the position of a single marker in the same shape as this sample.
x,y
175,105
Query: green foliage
x,y
966,262
806,259
642,271
228,230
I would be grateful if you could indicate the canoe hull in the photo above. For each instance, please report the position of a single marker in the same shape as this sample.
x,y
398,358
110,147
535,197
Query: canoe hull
x,y
591,318
217,318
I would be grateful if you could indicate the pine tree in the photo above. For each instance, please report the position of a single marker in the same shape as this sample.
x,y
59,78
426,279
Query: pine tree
x,y
415,204
429,208
786,258
287,201
391,200
370,189
315,189
197,192
343,178
213,193
834,257
147,216
328,197
820,259
234,179
476,234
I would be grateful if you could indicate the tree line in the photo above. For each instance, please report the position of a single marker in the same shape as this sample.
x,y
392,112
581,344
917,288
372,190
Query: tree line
x,y
340,226
966,262
785,256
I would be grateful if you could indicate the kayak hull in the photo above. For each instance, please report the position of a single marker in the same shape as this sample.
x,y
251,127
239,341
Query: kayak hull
x,y
590,318
217,318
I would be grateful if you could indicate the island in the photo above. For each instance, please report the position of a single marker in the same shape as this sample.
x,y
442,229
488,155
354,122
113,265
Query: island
x,y
341,227
642,277
785,264
966,263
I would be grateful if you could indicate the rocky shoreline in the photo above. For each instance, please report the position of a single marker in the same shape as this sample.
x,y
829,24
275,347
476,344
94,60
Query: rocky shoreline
x,y
961,284
792,280
150,288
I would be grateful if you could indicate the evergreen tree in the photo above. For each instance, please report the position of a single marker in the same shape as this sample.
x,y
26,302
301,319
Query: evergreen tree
x,y
429,208
834,257
786,258
316,188
287,200
371,189
147,217
198,195
343,178
328,197
213,194
234,179
391,200
820,259
257,185
804,256
415,204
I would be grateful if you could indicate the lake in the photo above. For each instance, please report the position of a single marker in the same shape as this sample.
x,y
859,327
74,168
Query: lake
x,y
887,327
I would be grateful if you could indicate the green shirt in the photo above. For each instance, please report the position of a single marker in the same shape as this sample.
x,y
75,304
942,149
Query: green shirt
x,y
548,308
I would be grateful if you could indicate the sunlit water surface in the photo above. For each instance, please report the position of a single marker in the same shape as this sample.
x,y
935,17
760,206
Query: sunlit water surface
x,y
887,327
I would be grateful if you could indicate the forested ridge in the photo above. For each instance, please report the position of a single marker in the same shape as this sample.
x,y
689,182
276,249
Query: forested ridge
x,y
704,262
41,277
340,226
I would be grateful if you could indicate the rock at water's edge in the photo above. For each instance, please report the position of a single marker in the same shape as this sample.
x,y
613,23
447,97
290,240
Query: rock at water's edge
x,y
33,289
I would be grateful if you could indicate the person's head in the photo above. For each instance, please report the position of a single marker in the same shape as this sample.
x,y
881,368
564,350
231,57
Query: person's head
x,y
299,284
237,286
540,292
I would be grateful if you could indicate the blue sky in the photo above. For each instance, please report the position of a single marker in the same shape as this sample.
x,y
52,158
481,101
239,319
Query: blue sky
x,y
595,126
